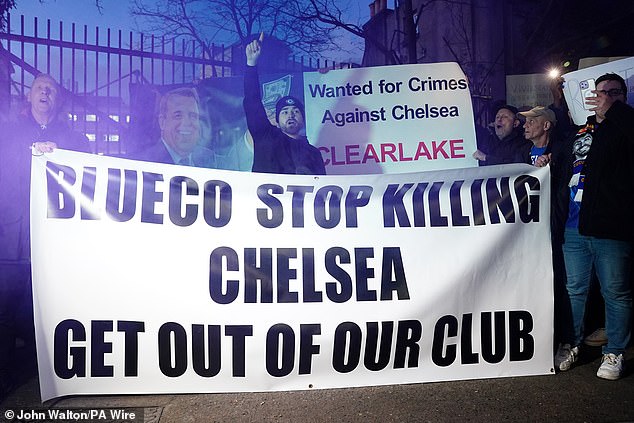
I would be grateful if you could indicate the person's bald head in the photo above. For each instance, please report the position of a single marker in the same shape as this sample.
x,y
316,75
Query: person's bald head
x,y
44,97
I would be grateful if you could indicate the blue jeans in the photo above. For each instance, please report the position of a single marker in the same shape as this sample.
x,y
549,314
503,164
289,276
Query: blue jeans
x,y
610,259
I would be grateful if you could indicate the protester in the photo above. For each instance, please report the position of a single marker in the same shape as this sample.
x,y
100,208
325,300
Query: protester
x,y
596,190
538,129
37,130
180,143
559,129
508,144
282,148
595,311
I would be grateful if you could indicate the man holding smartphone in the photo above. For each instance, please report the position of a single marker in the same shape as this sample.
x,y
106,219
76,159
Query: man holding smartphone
x,y
594,179
587,87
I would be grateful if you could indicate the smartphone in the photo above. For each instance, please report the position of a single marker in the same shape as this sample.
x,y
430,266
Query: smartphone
x,y
586,87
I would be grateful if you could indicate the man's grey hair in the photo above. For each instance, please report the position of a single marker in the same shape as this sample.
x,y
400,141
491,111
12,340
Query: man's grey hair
x,y
177,92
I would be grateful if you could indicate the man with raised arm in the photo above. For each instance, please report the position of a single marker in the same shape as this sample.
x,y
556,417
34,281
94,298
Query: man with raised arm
x,y
282,148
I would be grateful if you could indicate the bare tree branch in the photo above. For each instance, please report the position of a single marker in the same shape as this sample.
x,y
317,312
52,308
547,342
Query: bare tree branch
x,y
5,7
302,24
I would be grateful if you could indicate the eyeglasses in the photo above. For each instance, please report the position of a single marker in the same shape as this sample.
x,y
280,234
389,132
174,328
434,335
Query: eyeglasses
x,y
614,92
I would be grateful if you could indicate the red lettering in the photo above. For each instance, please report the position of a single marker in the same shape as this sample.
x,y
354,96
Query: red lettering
x,y
401,157
422,151
334,158
388,149
439,148
327,151
370,153
352,151
393,152
455,146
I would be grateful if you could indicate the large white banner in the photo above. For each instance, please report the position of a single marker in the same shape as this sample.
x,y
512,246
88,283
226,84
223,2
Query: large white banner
x,y
391,119
152,278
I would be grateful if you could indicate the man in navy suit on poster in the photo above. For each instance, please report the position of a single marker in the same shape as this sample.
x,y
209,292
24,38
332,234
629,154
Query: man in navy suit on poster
x,y
179,120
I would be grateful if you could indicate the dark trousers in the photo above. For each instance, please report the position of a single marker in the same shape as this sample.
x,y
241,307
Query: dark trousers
x,y
16,315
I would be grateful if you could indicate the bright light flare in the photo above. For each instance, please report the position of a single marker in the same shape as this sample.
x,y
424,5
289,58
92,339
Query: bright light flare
x,y
554,73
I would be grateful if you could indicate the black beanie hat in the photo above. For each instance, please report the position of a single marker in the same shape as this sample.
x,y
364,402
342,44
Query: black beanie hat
x,y
508,107
287,101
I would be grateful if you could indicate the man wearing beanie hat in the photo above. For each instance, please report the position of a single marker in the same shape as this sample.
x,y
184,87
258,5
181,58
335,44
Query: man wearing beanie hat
x,y
282,148
287,102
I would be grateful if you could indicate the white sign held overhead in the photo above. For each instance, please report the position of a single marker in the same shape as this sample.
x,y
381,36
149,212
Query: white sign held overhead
x,y
580,83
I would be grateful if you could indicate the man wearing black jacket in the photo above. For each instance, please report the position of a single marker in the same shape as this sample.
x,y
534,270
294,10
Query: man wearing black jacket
x,y
281,148
594,203
38,129
507,144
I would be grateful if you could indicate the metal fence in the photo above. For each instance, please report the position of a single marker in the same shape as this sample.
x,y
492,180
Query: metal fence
x,y
99,69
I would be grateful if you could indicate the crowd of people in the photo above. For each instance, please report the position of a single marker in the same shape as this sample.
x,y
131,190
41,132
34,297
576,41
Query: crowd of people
x,y
592,195
42,127
591,206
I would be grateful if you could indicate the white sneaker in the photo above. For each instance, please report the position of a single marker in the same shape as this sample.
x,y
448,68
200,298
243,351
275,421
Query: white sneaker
x,y
598,338
612,367
565,357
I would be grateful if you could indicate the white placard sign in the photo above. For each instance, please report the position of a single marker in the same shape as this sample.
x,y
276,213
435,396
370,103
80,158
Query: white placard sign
x,y
391,119
528,91
580,83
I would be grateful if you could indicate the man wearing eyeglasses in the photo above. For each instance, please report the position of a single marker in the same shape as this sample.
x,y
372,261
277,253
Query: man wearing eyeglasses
x,y
595,187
